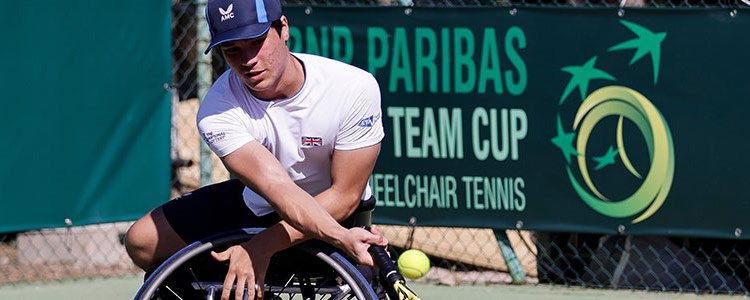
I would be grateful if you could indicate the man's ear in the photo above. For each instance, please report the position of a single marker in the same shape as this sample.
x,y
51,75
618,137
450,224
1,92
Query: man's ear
x,y
284,29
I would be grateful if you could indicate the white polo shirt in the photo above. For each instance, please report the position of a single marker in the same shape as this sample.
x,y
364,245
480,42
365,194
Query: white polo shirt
x,y
338,107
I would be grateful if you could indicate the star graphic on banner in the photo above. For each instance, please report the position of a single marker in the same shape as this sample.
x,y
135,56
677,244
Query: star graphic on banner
x,y
606,159
564,141
581,77
647,42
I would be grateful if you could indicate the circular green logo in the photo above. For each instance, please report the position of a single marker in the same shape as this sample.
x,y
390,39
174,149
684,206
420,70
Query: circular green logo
x,y
626,103
622,103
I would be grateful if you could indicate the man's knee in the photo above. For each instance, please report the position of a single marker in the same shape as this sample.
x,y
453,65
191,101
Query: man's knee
x,y
151,240
140,241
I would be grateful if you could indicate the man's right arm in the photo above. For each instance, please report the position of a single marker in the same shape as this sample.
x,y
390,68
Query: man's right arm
x,y
259,170
350,171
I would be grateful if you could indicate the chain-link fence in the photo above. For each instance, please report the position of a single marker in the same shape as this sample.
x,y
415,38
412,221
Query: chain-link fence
x,y
64,253
645,262
459,255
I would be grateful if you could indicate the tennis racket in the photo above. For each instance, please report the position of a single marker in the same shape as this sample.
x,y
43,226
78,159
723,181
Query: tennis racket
x,y
395,285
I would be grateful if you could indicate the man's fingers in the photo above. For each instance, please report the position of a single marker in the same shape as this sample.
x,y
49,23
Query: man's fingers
x,y
260,285
374,236
381,241
240,290
377,239
259,290
364,257
228,283
221,256
367,261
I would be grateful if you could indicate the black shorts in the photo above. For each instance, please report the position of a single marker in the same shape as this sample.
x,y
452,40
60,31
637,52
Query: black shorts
x,y
213,209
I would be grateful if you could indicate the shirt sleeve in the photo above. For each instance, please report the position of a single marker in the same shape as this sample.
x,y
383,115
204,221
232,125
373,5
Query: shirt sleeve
x,y
363,124
220,123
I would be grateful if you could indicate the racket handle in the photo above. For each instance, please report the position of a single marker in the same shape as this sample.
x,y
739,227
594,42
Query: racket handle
x,y
388,268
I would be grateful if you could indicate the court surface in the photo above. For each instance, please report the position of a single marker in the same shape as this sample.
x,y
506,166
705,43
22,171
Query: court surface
x,y
125,288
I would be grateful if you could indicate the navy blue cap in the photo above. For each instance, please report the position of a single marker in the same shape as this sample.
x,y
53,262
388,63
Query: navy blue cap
x,y
231,20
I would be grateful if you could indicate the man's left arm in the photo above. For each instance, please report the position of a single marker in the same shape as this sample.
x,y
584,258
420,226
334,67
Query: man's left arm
x,y
350,171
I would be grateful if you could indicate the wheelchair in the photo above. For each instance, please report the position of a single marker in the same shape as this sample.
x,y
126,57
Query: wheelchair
x,y
310,270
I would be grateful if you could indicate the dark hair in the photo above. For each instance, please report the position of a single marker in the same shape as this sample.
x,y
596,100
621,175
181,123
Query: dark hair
x,y
277,25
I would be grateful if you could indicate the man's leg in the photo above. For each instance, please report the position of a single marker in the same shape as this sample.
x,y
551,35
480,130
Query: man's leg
x,y
204,212
151,240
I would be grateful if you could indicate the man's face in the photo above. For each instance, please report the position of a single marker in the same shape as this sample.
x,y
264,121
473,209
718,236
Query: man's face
x,y
260,61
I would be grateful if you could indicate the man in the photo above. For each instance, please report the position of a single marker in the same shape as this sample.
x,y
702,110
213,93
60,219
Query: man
x,y
301,133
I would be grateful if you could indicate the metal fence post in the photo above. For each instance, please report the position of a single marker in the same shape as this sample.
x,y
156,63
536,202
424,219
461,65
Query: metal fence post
x,y
514,266
204,79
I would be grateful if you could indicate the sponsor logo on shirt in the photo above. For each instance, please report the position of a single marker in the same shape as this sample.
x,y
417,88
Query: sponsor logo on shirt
x,y
310,141
368,121
213,137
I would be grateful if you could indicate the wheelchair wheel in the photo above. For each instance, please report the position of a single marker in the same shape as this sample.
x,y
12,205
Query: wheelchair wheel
x,y
311,270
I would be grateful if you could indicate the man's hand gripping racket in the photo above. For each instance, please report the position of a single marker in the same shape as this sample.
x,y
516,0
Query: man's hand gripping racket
x,y
395,283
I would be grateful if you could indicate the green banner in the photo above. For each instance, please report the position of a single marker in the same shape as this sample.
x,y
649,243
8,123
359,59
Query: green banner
x,y
85,115
580,120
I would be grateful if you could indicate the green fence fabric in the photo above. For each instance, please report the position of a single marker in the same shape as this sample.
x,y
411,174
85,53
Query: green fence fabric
x,y
587,120
85,113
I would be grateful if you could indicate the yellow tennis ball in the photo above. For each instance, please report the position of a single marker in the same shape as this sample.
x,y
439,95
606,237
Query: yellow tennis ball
x,y
413,264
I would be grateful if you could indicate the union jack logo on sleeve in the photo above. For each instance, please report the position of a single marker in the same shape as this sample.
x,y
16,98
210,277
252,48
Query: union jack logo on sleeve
x,y
310,141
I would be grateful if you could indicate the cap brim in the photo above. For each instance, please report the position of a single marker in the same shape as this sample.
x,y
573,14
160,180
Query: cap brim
x,y
241,33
